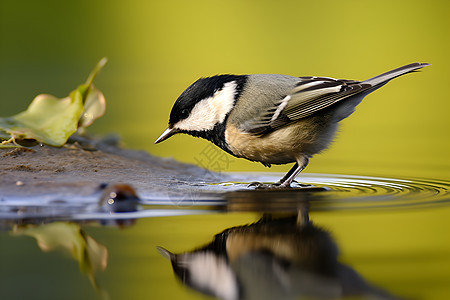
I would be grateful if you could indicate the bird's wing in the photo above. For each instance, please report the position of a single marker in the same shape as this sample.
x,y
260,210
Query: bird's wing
x,y
310,95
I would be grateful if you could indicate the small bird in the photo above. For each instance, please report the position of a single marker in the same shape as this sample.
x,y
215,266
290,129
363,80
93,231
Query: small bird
x,y
271,118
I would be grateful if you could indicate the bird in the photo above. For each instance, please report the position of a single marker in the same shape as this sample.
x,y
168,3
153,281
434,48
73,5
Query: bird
x,y
271,118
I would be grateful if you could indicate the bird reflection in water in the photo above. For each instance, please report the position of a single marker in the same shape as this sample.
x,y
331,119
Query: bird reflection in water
x,y
278,257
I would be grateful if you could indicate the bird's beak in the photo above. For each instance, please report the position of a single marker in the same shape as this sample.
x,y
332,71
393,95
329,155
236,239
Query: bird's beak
x,y
166,134
166,253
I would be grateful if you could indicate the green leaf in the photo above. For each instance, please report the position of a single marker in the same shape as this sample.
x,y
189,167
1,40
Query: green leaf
x,y
51,120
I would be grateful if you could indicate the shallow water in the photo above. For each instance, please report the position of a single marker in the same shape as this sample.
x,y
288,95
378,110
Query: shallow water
x,y
391,235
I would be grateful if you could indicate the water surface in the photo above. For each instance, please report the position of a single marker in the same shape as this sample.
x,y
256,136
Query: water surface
x,y
337,236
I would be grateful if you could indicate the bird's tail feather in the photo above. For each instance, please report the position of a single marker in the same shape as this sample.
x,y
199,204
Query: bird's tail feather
x,y
385,77
346,108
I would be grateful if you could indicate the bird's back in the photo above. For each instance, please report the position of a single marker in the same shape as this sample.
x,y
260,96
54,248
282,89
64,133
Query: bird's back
x,y
261,91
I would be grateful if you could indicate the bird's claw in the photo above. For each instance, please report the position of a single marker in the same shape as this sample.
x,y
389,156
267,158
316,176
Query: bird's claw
x,y
256,184
260,186
277,185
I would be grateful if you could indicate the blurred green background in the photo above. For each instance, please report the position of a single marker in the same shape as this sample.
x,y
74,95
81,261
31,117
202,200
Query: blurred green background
x,y
157,48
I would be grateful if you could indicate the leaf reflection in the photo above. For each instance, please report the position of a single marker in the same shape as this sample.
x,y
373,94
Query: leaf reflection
x,y
70,239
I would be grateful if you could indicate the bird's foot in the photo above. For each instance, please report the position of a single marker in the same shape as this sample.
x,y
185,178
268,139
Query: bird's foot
x,y
260,186
277,185
293,184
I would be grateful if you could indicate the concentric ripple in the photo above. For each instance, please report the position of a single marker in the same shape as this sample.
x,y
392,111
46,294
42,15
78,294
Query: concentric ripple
x,y
359,191
330,192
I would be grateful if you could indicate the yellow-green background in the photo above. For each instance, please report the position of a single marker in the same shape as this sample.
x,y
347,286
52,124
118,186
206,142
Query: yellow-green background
x,y
157,48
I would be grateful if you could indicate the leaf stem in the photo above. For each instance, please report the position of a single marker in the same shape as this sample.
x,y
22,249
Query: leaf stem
x,y
95,71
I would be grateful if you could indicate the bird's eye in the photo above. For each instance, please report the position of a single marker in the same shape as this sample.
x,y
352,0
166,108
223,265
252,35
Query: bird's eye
x,y
184,114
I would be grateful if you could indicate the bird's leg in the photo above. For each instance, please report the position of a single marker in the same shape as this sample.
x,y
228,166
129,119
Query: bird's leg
x,y
260,185
290,176
287,179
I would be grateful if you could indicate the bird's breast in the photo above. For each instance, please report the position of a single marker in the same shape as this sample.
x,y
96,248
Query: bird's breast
x,y
285,145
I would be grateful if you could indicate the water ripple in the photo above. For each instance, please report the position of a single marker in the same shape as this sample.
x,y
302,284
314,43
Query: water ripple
x,y
317,192
356,192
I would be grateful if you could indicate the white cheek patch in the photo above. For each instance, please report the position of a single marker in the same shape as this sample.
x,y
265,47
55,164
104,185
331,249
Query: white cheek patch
x,y
223,101
210,111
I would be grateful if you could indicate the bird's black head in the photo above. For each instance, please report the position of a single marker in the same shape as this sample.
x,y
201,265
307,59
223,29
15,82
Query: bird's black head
x,y
203,89
204,104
